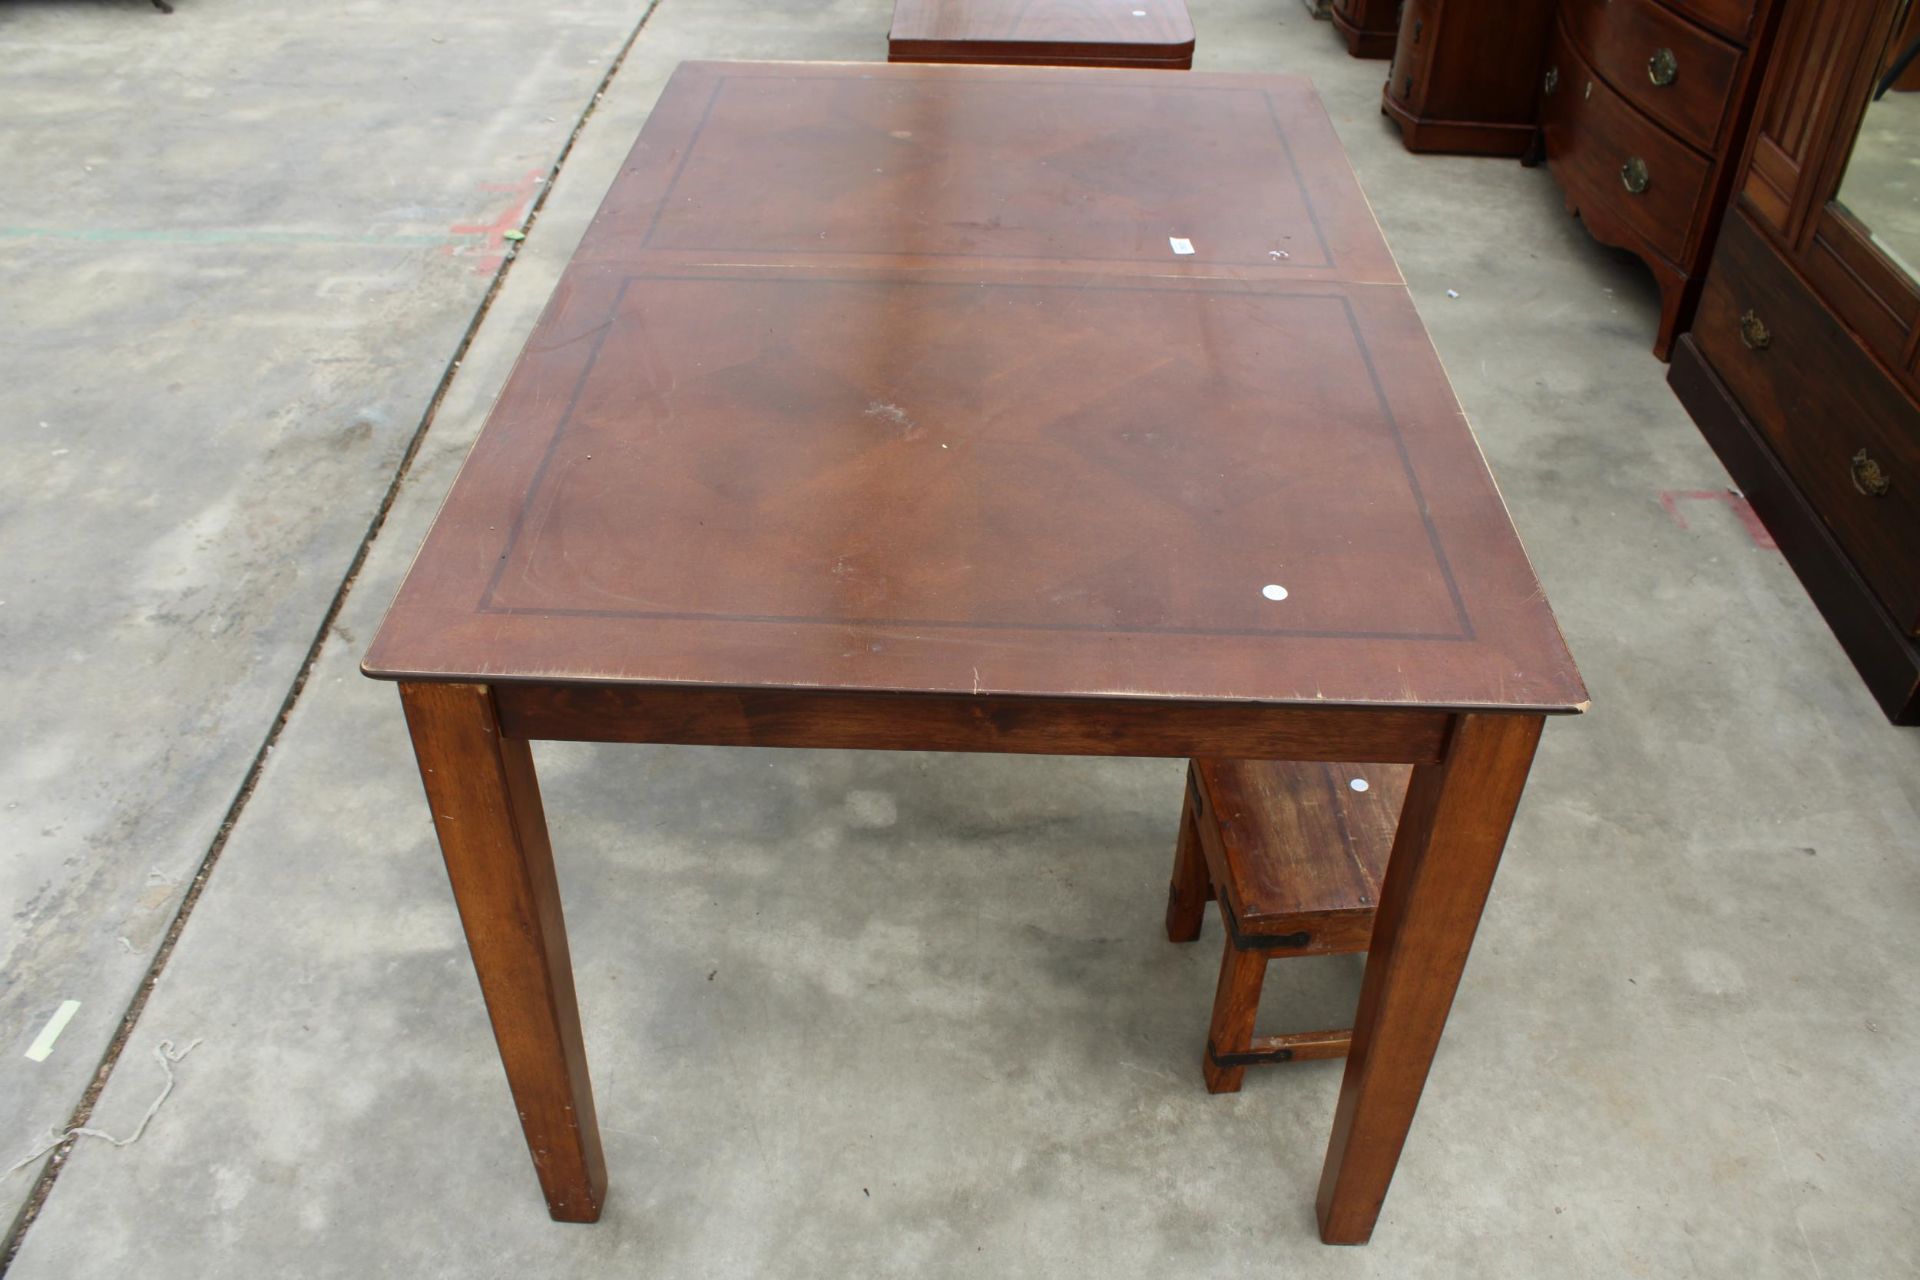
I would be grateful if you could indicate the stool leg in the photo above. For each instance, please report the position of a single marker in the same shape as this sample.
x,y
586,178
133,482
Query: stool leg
x,y
1188,894
1235,1001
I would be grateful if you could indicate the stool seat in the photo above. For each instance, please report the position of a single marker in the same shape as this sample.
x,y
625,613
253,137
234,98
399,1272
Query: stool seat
x,y
1055,33
1301,849
1294,854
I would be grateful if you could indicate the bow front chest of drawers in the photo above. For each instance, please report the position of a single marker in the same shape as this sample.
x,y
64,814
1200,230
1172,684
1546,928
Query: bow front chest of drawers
x,y
1644,109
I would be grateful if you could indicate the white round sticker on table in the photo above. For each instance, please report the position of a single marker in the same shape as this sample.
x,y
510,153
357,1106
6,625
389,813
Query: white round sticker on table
x,y
1274,591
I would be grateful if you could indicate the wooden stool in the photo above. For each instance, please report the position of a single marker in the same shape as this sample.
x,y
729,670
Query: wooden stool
x,y
1055,33
1294,854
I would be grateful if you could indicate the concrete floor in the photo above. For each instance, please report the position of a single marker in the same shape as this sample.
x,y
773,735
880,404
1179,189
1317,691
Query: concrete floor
x,y
1686,1044
239,247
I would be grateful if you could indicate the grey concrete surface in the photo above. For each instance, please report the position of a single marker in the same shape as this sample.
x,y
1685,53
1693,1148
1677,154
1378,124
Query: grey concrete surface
x,y
857,1014
239,246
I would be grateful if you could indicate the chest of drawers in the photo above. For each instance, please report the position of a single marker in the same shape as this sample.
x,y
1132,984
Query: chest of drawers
x,y
1466,75
1643,110
1368,26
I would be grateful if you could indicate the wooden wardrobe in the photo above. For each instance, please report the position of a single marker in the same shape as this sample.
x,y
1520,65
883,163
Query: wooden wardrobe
x,y
1802,365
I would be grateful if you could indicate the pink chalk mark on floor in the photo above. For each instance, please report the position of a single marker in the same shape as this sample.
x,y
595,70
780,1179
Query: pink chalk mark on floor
x,y
493,250
1736,503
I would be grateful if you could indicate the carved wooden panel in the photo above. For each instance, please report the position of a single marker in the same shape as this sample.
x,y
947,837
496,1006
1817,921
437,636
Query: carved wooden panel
x,y
1808,75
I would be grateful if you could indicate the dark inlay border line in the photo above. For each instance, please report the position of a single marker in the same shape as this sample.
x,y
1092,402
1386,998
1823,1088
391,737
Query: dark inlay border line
x,y
1273,113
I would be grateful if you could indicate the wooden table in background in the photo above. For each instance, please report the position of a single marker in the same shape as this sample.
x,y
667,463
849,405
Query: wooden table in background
x,y
1052,33
884,407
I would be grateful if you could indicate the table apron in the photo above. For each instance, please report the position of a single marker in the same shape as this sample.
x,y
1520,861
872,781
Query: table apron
x,y
958,722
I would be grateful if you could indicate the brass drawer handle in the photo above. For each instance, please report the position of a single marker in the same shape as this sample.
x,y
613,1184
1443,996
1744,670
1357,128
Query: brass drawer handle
x,y
1868,478
1635,176
1553,80
1662,67
1754,332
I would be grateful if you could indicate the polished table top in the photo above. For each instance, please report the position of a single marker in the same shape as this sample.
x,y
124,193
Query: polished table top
x,y
903,378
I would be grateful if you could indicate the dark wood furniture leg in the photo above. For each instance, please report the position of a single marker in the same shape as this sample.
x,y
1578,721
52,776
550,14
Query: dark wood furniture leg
x,y
1191,890
1451,834
493,834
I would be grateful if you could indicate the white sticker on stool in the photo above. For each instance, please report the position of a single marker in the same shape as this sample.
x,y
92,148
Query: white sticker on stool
x,y
1358,784
1274,591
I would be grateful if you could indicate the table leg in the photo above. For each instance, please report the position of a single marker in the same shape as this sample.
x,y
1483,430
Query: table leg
x,y
1451,833
493,835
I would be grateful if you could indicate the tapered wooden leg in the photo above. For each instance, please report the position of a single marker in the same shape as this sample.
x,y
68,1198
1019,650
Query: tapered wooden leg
x,y
493,834
1235,1002
1451,833
1188,894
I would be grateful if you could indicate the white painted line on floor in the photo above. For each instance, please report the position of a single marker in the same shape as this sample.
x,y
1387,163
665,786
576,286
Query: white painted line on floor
x,y
43,1043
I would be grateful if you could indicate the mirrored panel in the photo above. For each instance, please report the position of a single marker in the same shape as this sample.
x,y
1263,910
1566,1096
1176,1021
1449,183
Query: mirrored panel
x,y
1882,183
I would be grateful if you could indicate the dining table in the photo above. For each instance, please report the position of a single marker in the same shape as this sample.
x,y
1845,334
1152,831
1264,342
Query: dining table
x,y
1046,411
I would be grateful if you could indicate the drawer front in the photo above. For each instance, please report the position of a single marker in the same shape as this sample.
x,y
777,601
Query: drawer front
x,y
1406,77
1729,17
1848,435
1605,151
1672,70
